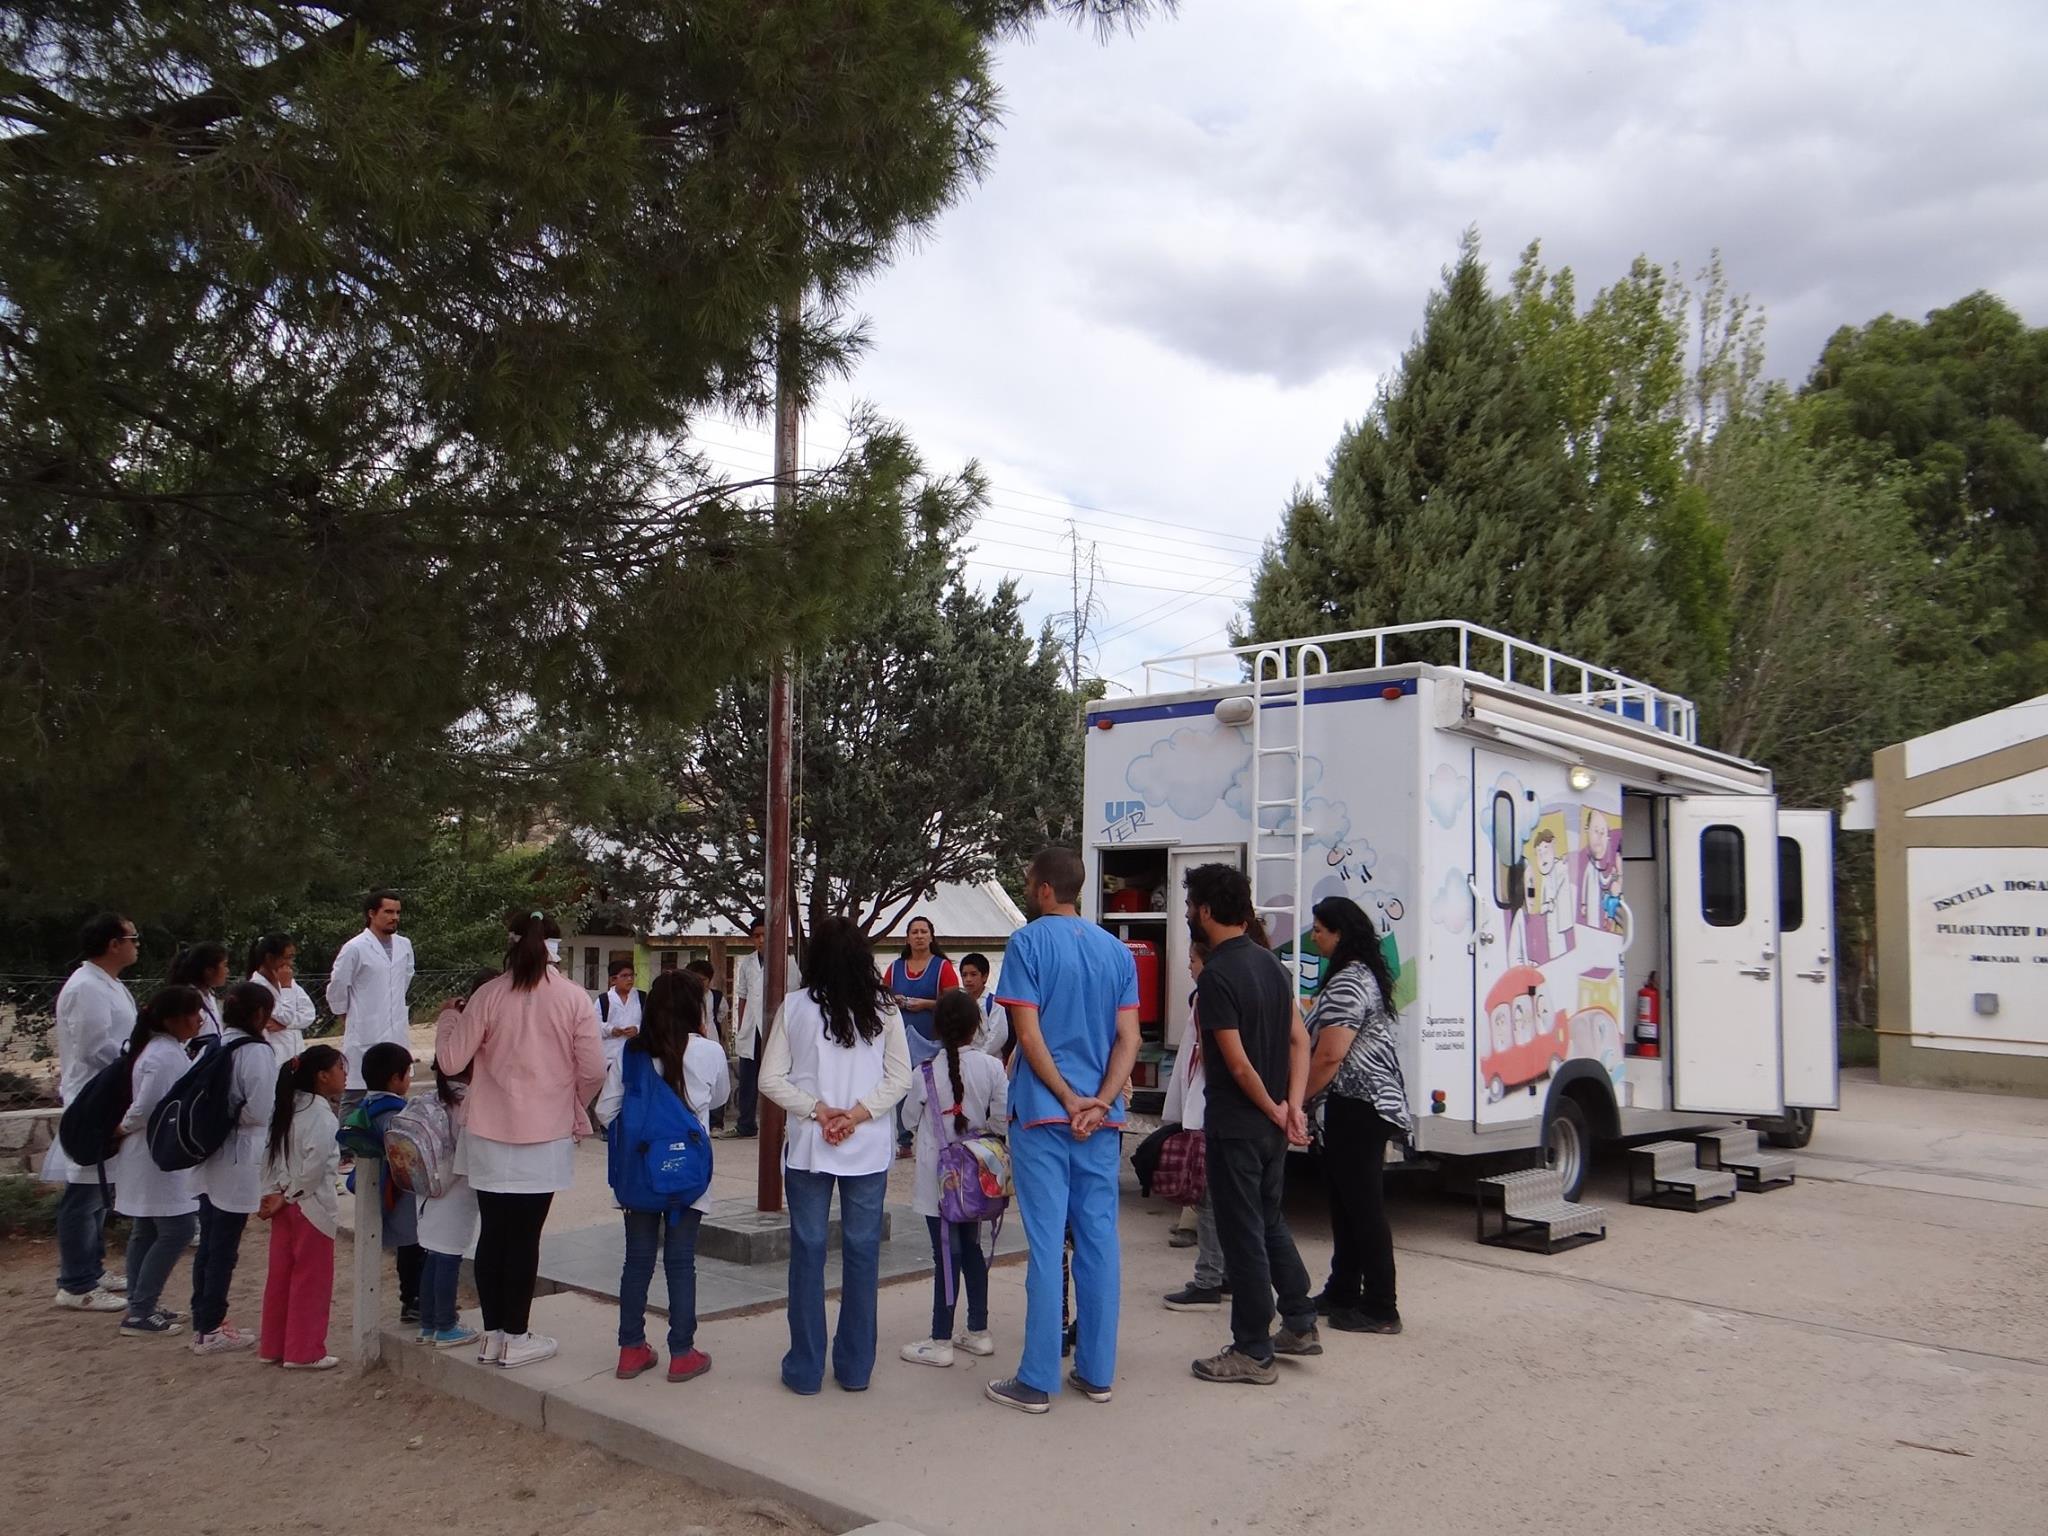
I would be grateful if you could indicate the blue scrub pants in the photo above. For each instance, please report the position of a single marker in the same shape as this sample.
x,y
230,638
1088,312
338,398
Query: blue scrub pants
x,y
1067,1185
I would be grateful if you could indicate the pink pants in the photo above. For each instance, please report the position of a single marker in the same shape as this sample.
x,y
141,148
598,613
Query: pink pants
x,y
299,1292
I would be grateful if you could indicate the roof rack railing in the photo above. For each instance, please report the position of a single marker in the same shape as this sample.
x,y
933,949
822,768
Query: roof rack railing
x,y
1483,652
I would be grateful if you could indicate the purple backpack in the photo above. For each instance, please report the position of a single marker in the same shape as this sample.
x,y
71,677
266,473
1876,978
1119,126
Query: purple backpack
x,y
974,1176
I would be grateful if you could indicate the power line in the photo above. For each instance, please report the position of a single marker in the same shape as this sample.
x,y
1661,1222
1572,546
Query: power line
x,y
1107,581
1154,614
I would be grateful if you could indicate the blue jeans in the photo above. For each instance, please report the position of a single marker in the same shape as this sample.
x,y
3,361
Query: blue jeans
x,y
438,1277
1067,1185
745,1095
82,1237
213,1267
970,1268
675,1235
154,1246
861,1197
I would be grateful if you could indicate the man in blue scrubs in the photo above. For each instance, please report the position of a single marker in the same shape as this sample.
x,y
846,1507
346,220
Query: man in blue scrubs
x,y
1072,994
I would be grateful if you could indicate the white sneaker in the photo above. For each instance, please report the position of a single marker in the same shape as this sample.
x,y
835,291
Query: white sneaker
x,y
101,1300
324,1363
976,1343
526,1349
928,1352
492,1350
118,1284
222,1341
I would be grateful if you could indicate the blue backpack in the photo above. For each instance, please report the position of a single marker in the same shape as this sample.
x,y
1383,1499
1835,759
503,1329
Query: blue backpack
x,y
658,1154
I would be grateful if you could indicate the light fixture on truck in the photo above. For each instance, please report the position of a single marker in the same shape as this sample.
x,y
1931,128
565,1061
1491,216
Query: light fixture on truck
x,y
1436,1102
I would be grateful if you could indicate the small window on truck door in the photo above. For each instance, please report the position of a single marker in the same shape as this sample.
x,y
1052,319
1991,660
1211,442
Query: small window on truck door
x,y
1504,848
1791,885
1724,895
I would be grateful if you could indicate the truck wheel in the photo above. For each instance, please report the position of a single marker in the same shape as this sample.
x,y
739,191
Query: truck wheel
x,y
1568,1144
1795,1130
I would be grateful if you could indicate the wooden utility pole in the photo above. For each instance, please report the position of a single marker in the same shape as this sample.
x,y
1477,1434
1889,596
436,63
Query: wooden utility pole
x,y
781,753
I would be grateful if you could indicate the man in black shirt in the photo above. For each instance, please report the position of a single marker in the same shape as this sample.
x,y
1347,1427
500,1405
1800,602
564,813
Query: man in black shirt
x,y
1255,1066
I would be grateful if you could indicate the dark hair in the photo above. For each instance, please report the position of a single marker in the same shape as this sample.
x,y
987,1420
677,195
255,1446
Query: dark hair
x,y
674,1012
1060,868
702,970
384,1061
269,947
154,1017
627,964
247,1007
1199,948
1255,930
915,919
978,960
1358,941
295,1077
955,1020
1224,890
758,920
444,1082
377,898
839,973
101,933
527,958
193,964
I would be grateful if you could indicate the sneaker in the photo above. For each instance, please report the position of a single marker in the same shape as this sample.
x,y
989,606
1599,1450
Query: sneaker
x,y
689,1365
118,1284
158,1325
409,1312
222,1341
97,1300
1194,1298
492,1350
1234,1366
928,1352
1012,1393
1180,1237
453,1338
270,1359
424,1336
976,1344
1353,1320
905,1149
527,1349
1288,1342
324,1363
635,1360
1087,1388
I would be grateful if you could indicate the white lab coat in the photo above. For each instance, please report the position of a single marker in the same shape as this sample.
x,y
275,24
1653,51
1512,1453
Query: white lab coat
x,y
368,989
993,1032
233,1177
304,1173
294,1010
613,1013
140,1187
707,1084
749,987
1187,1091
95,1016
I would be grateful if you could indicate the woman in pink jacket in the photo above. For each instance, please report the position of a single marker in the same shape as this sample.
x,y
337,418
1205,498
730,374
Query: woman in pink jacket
x,y
530,1038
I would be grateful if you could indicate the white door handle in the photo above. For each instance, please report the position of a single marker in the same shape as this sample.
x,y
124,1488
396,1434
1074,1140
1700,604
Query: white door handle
x,y
1762,972
1814,975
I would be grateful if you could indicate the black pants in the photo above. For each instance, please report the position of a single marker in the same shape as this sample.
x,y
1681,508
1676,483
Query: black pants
x,y
412,1261
213,1266
744,1096
1247,1178
1354,1172
508,1257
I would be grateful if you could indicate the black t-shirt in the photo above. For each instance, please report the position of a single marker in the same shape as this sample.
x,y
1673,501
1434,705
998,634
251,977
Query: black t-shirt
x,y
1245,988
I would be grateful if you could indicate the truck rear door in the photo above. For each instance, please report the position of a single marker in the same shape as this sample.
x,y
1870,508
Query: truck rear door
x,y
1725,1029
1806,941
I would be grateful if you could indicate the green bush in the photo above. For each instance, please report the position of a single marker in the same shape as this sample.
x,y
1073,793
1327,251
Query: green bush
x,y
28,1206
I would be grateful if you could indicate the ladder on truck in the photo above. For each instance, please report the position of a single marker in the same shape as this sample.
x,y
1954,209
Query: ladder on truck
x,y
1280,832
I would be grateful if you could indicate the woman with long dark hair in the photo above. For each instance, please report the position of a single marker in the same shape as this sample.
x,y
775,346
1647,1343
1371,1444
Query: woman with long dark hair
x,y
163,1208
273,964
530,1041
203,968
1355,1064
918,978
837,1063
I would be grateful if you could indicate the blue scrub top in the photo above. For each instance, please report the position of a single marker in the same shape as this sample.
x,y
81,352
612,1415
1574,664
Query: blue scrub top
x,y
1078,975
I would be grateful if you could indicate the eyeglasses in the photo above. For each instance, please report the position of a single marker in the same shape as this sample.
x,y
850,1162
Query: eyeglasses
x,y
131,938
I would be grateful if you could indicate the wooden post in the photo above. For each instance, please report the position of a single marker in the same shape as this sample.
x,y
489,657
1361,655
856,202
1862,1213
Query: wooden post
x,y
365,1345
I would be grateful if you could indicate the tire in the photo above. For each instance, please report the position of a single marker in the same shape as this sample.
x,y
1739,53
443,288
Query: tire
x,y
1794,1131
1568,1144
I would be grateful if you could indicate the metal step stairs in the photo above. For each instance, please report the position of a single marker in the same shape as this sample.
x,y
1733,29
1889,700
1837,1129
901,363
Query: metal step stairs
x,y
1280,832
1737,1151
1530,1212
1667,1174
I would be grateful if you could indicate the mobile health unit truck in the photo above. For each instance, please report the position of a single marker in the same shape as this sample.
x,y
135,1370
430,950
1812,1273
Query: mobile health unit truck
x,y
1597,926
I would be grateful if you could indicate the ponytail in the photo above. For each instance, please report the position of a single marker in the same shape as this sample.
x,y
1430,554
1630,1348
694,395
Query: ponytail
x,y
154,1017
295,1077
528,958
955,1019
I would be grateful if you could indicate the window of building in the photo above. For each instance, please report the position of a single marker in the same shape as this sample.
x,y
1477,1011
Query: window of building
x,y
590,978
1724,893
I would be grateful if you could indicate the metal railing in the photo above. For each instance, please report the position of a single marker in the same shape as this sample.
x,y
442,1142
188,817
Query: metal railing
x,y
1478,650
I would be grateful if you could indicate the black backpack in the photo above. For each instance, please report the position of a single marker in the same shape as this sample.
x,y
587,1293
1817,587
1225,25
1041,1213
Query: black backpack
x,y
89,1130
194,1120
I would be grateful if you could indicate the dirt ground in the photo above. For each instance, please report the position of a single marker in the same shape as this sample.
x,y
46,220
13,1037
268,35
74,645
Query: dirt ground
x,y
104,1434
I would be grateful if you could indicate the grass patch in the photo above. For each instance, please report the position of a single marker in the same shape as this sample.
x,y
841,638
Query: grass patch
x,y
28,1206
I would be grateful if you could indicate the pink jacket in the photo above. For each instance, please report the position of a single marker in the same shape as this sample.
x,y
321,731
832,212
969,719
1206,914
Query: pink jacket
x,y
536,1057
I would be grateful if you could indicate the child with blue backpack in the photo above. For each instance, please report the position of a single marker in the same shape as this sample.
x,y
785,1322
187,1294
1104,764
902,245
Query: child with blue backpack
x,y
960,1094
387,1075
656,1095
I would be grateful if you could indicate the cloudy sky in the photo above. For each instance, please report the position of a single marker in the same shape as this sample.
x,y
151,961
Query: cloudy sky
x,y
1200,248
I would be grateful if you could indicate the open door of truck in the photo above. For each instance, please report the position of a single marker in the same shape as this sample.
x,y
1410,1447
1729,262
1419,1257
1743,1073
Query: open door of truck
x,y
1727,1051
1806,941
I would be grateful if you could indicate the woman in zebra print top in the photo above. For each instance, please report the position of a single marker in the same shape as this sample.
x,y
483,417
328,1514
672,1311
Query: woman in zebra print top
x,y
1356,1074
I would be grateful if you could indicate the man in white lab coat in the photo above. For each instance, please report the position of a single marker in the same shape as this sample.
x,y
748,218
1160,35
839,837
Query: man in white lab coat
x,y
750,994
619,1007
367,990
95,1016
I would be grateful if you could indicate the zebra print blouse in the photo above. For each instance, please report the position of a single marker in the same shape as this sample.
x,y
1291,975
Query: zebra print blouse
x,y
1371,1069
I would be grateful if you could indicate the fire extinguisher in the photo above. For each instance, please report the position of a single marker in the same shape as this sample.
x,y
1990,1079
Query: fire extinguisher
x,y
1649,1018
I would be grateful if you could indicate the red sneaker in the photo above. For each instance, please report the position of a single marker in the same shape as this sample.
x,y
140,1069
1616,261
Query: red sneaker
x,y
636,1360
688,1367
